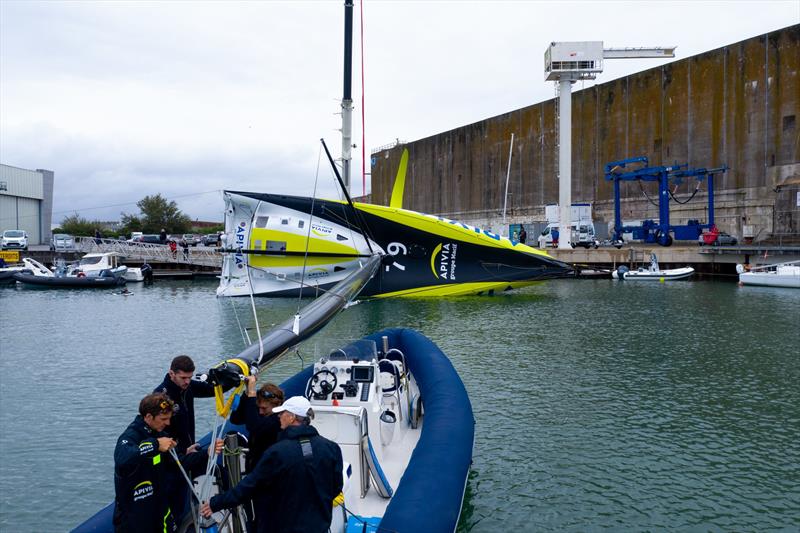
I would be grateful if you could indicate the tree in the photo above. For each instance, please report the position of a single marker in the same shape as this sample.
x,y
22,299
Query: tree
x,y
156,213
77,225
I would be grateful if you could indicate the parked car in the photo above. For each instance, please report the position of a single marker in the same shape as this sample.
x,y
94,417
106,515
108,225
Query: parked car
x,y
61,242
191,239
211,239
723,239
14,239
146,239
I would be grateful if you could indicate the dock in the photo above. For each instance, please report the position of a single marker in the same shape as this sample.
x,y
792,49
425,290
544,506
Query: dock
x,y
718,261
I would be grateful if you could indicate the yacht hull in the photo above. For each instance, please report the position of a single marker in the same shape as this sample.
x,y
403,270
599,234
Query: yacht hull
x,y
283,245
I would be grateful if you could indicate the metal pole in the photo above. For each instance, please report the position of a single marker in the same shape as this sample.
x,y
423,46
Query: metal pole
x,y
565,163
508,174
347,100
233,462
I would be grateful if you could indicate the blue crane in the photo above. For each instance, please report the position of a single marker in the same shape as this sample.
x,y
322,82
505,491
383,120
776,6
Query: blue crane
x,y
661,232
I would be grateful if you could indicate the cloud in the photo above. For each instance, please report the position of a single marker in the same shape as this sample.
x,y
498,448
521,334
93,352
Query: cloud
x,y
125,99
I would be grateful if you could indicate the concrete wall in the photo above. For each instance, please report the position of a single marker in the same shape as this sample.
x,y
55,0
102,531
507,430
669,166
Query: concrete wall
x,y
736,106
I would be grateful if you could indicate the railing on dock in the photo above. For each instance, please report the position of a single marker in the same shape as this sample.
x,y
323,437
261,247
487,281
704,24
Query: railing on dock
x,y
148,253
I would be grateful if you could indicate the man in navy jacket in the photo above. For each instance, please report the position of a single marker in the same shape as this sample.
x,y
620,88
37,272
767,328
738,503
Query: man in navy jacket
x,y
143,470
296,480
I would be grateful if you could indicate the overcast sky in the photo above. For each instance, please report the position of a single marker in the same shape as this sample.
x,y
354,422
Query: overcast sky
x,y
183,98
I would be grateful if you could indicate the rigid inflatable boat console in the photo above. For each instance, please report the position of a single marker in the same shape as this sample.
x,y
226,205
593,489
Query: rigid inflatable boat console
x,y
357,374
362,399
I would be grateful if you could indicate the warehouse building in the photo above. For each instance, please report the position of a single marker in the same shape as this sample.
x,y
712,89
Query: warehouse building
x,y
26,202
736,106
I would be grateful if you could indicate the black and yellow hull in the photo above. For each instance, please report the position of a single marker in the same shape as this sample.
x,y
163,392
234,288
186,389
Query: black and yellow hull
x,y
281,245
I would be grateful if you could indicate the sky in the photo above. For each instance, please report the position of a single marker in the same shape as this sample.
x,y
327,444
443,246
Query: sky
x,y
187,98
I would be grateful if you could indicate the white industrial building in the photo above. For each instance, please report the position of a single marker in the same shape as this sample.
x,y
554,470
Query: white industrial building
x,y
26,202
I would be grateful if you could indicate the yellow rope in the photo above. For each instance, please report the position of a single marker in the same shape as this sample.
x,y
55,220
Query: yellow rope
x,y
224,406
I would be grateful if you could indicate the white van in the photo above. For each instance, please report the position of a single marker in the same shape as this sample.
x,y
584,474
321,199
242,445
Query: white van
x,y
582,235
14,239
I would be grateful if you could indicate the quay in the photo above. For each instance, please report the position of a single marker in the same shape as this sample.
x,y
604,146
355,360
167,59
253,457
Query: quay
x,y
716,261
206,262
197,262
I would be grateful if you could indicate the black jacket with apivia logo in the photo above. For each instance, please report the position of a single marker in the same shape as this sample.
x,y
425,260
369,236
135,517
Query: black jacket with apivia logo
x,y
293,485
142,478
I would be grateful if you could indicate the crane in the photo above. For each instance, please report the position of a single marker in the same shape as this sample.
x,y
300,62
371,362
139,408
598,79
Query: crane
x,y
568,62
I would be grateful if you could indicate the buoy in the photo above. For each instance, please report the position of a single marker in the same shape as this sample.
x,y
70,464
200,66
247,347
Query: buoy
x,y
661,280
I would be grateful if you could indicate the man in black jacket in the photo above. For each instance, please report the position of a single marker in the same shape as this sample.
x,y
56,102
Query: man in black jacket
x,y
182,389
142,470
296,480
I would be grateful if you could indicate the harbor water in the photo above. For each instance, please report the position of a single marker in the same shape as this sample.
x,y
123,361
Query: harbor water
x,y
599,405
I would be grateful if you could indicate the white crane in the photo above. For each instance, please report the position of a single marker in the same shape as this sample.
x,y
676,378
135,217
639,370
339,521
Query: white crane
x,y
565,63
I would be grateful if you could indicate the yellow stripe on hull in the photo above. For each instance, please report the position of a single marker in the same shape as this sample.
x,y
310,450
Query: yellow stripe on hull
x,y
456,289
446,228
296,243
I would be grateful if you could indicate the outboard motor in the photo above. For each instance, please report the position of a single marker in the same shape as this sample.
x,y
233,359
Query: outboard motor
x,y
620,272
147,272
388,420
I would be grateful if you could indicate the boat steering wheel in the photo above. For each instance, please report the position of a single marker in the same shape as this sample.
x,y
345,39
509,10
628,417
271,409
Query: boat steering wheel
x,y
322,383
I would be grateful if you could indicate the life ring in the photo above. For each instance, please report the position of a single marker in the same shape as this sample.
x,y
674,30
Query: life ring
x,y
81,274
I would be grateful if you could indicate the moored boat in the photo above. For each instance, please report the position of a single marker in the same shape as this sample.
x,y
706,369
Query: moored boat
x,y
778,275
652,272
70,282
92,264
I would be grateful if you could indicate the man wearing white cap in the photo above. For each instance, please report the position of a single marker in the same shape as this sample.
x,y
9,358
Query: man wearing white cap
x,y
296,480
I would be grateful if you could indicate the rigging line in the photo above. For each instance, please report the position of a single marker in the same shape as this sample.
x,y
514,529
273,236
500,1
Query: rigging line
x,y
363,226
132,203
242,330
308,233
284,253
363,120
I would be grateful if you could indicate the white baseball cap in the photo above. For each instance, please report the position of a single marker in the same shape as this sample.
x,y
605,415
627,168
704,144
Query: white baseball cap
x,y
297,405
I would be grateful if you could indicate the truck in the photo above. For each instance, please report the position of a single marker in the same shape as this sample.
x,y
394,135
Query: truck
x,y
582,234
582,231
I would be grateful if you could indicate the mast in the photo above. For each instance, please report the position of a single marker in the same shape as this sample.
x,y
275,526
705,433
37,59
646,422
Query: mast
x,y
347,100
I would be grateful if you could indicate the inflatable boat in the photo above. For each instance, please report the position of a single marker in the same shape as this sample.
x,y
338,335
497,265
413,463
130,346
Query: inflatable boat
x,y
652,272
403,420
69,282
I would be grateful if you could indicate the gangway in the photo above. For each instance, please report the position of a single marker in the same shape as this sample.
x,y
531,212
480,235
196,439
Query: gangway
x,y
650,231
152,253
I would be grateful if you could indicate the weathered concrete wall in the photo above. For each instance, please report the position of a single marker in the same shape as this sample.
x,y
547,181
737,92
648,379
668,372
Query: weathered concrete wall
x,y
736,106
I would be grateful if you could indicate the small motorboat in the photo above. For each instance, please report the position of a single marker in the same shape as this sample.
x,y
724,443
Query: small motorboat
x,y
39,275
777,275
70,282
7,271
652,272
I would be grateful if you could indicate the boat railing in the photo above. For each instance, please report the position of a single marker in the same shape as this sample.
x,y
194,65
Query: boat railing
x,y
774,266
146,252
